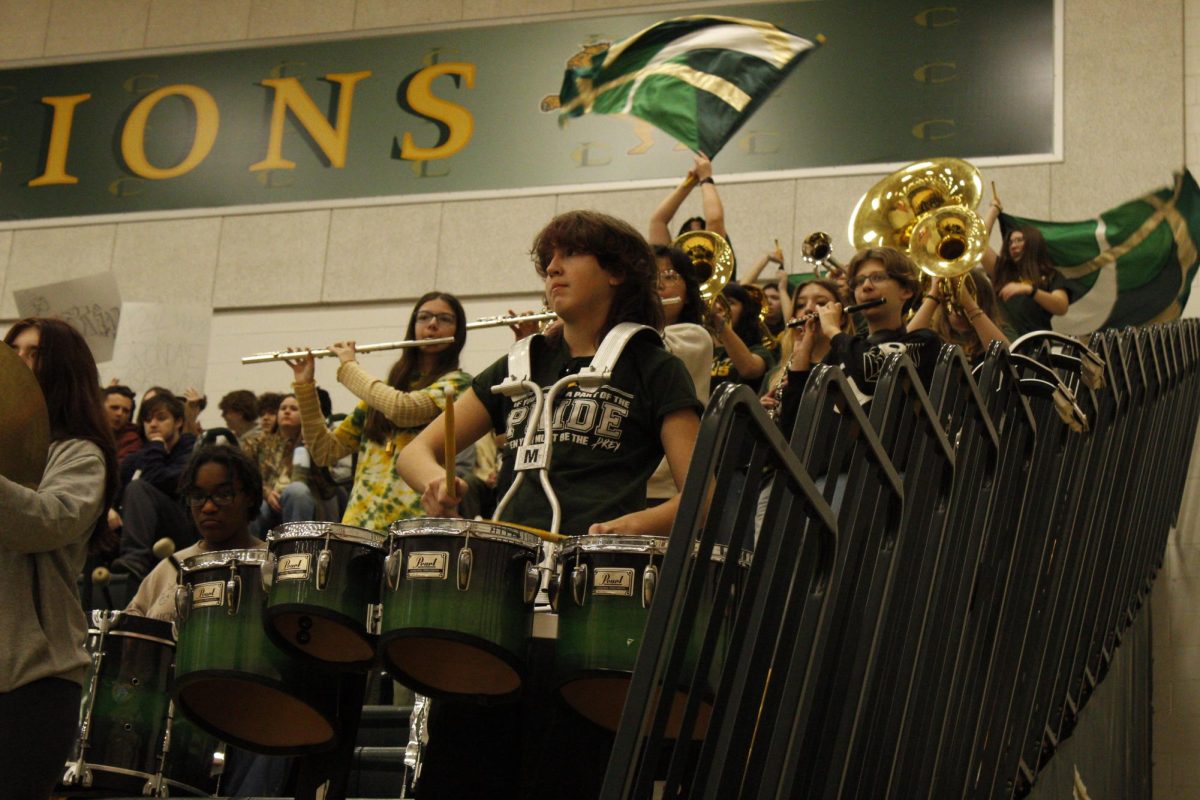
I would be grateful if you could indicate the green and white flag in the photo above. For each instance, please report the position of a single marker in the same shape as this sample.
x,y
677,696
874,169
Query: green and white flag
x,y
1131,265
697,79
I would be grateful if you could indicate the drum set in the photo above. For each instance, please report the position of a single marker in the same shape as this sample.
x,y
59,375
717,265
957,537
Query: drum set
x,y
446,606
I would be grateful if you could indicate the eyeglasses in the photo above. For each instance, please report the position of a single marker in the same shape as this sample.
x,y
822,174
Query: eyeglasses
x,y
668,276
221,497
426,317
875,278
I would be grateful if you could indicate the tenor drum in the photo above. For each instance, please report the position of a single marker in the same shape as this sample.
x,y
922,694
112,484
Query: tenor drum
x,y
193,760
123,714
324,588
230,678
458,607
605,585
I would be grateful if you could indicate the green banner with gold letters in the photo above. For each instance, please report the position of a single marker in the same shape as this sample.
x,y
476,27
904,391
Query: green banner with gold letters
x,y
467,112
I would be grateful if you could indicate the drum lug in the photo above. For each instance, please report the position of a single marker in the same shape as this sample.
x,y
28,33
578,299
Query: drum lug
x,y
466,559
552,587
233,593
374,618
183,602
533,582
579,579
391,568
649,583
267,573
323,561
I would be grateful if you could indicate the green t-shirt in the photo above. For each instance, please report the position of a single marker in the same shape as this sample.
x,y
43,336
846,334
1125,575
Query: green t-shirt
x,y
606,443
1022,314
723,369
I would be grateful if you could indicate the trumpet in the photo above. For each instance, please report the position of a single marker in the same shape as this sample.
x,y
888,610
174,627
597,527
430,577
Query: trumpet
x,y
482,322
800,322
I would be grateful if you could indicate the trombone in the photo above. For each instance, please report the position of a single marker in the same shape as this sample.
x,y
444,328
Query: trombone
x,y
482,322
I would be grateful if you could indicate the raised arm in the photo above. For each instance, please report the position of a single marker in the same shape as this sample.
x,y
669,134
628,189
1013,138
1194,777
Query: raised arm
x,y
989,222
421,463
403,409
324,448
923,318
714,211
660,220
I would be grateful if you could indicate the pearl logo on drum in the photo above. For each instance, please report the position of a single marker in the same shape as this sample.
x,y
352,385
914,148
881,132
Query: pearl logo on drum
x,y
428,565
209,593
294,567
613,582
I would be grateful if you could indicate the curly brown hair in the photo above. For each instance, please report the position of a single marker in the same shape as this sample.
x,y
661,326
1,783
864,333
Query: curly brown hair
x,y
620,250
896,263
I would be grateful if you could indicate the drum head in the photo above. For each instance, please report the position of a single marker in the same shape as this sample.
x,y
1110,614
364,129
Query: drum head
x,y
440,666
319,634
254,714
600,698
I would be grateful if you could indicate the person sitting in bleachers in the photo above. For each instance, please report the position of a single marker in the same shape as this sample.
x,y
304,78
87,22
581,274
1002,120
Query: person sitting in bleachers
x,y
293,489
119,405
239,409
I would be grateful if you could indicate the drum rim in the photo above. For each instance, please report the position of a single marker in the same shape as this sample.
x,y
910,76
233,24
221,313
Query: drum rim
x,y
605,543
221,558
336,531
155,630
457,527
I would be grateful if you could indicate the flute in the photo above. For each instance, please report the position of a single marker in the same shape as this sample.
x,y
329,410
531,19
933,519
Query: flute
x,y
799,322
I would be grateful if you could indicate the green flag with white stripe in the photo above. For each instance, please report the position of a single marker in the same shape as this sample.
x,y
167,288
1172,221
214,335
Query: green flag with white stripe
x,y
697,78
1131,265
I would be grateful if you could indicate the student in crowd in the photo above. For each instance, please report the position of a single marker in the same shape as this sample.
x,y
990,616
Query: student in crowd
x,y
714,212
598,272
292,490
390,414
268,405
970,323
119,404
1030,289
740,353
804,346
239,409
150,508
876,273
44,539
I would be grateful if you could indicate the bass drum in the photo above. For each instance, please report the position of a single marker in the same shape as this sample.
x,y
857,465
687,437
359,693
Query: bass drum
x,y
458,607
123,714
230,678
605,585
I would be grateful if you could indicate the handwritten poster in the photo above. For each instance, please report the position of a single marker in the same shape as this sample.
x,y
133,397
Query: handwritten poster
x,y
92,304
161,345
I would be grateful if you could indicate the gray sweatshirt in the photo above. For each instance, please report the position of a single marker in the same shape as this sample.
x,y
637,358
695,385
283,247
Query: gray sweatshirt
x,y
43,545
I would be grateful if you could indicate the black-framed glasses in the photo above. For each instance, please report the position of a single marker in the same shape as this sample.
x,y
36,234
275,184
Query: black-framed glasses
x,y
221,497
426,317
875,278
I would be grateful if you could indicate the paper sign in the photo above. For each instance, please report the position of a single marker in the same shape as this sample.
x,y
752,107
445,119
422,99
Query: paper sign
x,y
161,345
92,304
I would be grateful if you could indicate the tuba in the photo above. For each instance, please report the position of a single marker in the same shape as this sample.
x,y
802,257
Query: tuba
x,y
712,257
928,210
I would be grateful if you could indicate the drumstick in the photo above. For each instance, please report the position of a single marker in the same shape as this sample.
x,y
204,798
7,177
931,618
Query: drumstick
x,y
450,450
547,535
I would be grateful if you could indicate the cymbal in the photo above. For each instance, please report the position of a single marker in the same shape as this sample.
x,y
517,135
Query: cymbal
x,y
24,422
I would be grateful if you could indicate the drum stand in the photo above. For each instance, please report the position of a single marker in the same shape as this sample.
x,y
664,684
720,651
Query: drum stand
x,y
78,772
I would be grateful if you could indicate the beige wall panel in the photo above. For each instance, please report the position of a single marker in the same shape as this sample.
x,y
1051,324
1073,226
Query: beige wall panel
x,y
383,252
615,6
485,244
180,22
78,27
271,18
823,204
49,255
6,240
634,207
392,14
167,261
496,9
271,259
1123,101
755,215
23,25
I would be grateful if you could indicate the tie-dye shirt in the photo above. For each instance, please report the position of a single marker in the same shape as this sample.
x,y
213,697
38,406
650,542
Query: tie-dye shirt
x,y
380,496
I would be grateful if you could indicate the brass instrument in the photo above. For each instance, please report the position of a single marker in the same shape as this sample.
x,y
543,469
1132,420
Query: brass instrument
x,y
712,257
927,209
482,322
817,249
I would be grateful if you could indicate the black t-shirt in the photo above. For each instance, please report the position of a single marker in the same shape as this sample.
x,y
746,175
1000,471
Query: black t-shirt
x,y
723,369
606,443
1022,314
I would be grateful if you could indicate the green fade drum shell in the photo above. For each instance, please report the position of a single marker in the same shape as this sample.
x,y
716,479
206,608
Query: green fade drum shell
x,y
193,760
458,607
605,585
124,717
324,582
230,678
